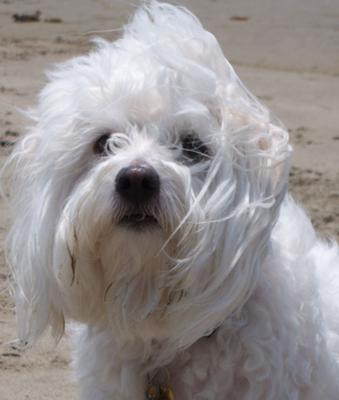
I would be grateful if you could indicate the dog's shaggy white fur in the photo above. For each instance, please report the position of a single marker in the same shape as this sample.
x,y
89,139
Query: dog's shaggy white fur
x,y
217,284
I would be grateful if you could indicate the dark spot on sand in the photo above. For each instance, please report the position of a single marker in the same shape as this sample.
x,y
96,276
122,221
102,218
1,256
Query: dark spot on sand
x,y
239,18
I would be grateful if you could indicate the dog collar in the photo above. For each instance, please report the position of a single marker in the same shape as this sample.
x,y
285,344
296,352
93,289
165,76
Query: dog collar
x,y
158,392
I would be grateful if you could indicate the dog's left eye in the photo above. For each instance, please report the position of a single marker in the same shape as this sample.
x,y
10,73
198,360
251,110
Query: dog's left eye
x,y
193,149
100,145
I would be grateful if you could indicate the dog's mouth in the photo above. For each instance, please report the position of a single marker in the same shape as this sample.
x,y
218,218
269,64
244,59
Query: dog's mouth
x,y
139,221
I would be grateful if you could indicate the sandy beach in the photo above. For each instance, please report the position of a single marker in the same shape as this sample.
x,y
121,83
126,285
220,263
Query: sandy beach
x,y
287,53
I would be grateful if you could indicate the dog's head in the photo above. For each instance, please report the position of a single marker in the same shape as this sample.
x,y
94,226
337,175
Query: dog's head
x,y
144,195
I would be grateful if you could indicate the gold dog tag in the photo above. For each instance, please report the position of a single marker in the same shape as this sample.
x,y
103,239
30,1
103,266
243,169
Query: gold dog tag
x,y
159,392
166,393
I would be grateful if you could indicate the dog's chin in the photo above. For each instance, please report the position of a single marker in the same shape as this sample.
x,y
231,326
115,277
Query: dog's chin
x,y
139,222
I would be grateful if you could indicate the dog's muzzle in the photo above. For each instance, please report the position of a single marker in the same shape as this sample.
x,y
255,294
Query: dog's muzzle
x,y
138,186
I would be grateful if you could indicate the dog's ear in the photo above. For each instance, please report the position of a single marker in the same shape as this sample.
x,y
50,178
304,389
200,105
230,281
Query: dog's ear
x,y
224,258
30,240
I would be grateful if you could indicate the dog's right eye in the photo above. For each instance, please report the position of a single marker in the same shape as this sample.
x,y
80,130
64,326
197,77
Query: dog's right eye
x,y
100,146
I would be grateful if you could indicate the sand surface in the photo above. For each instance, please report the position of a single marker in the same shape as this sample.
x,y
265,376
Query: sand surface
x,y
287,53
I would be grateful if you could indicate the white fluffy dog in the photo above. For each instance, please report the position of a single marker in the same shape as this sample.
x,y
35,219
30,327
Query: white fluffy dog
x,y
149,205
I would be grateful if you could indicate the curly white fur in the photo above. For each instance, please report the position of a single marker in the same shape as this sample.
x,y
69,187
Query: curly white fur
x,y
232,296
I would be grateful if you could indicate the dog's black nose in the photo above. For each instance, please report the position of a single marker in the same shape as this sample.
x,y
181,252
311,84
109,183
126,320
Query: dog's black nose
x,y
138,183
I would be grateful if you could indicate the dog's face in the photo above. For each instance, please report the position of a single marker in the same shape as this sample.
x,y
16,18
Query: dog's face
x,y
141,164
147,188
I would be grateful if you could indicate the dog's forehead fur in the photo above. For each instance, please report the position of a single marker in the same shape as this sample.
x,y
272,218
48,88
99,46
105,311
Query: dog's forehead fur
x,y
166,62
165,69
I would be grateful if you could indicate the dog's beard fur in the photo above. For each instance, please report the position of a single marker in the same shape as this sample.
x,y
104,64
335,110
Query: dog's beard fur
x,y
177,280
